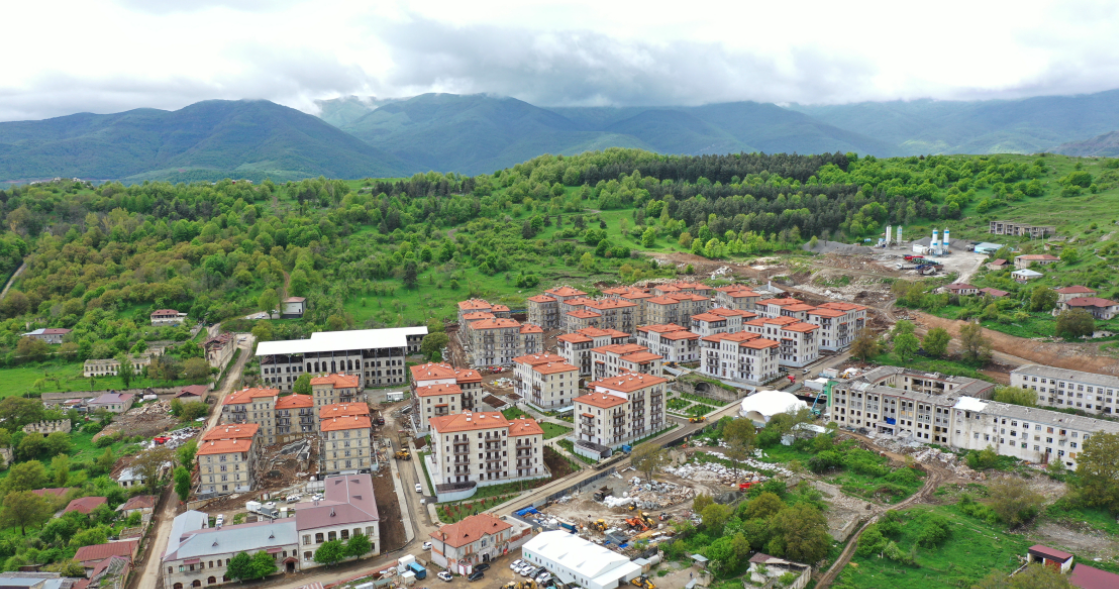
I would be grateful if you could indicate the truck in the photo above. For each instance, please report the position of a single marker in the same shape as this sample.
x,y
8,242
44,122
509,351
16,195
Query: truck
x,y
421,573
569,527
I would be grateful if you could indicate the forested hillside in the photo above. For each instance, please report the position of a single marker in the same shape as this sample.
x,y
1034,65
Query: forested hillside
x,y
383,253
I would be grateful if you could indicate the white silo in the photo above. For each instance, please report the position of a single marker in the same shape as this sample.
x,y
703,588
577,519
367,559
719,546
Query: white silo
x,y
934,245
947,243
899,234
889,234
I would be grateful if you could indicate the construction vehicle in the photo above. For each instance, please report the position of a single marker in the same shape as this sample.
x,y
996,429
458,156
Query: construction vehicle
x,y
649,521
403,455
745,486
599,525
637,523
826,394
664,516
526,584
699,419
643,583
631,507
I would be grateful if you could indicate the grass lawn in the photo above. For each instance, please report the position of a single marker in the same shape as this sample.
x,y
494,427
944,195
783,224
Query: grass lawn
x,y
570,447
54,376
971,553
552,430
514,413
923,364
1095,518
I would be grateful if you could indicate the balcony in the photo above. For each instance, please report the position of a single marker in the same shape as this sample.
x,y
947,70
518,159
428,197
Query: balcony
x,y
460,449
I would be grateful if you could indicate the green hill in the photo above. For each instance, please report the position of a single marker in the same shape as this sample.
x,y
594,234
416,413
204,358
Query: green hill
x,y
1100,145
204,141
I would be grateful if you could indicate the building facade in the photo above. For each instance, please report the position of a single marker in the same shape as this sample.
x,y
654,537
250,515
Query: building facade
x,y
1069,389
433,373
799,344
434,401
295,417
329,389
227,459
253,405
619,410
495,342
740,357
477,449
461,546
672,342
545,380
347,433
543,310
376,356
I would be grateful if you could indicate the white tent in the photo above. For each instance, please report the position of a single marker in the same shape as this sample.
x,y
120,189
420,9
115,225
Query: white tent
x,y
763,405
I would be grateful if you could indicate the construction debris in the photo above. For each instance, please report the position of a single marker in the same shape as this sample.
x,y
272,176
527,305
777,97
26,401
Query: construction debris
x,y
145,421
650,495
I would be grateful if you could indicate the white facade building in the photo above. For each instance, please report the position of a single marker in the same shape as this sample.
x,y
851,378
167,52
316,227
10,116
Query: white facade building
x,y
670,341
1073,389
576,561
740,357
376,356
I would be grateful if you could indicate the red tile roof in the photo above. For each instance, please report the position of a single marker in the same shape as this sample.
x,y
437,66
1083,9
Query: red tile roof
x,y
994,292
468,421
343,410
575,338
438,389
523,426
675,335
470,530
708,317
531,328
432,371
620,349
565,291
495,324
1050,553
842,306
224,447
56,491
476,315
340,381
248,395
1086,577
555,368
474,305
534,359
666,328
720,311
642,357
600,400
239,431
1076,290
295,402
99,552
781,302
139,502
583,314
542,299
343,423
1090,302
626,383
85,504
197,390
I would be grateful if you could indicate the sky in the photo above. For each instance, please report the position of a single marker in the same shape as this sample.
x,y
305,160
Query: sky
x,y
103,56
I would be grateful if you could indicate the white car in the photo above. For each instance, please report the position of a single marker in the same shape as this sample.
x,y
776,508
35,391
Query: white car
x,y
427,545
526,570
543,578
445,576
419,488
516,564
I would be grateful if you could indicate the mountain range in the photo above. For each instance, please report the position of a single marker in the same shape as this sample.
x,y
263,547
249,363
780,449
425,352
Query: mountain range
x,y
354,137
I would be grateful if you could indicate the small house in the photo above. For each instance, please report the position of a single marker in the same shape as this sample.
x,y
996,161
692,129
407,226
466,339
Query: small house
x,y
293,308
51,335
85,504
1027,260
1101,309
998,264
143,504
91,556
167,317
1074,292
993,292
961,288
1025,275
1050,557
112,402
194,392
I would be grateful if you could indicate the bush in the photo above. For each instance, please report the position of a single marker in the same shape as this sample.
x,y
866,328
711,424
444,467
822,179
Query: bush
x,y
934,530
108,440
825,461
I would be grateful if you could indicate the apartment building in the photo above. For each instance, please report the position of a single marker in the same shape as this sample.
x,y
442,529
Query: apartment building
x,y
720,320
545,380
495,342
1015,228
473,316
1063,388
434,401
564,293
477,449
690,304
473,306
346,431
682,286
255,405
619,410
468,381
580,319
336,388
635,295
376,356
839,322
295,417
663,311
736,296
461,546
932,383
617,359
616,314
672,342
1026,260
576,347
799,344
740,357
227,457
786,307
543,310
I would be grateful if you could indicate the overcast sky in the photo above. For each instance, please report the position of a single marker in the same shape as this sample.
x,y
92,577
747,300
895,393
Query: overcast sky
x,y
104,56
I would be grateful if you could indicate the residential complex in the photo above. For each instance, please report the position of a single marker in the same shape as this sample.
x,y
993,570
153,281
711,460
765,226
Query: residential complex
x,y
227,457
295,417
543,310
253,405
618,411
376,356
672,342
839,323
336,388
576,347
545,380
434,401
469,383
616,359
799,344
346,438
740,357
720,320
1068,389
477,449
1015,228
495,342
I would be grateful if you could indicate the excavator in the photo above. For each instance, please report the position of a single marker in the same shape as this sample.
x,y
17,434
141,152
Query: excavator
x,y
699,419
638,523
403,455
599,525
649,521
526,584
643,583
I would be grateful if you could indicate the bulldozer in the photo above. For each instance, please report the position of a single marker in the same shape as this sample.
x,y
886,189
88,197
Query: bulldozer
x,y
631,507
643,583
699,419
599,525
403,455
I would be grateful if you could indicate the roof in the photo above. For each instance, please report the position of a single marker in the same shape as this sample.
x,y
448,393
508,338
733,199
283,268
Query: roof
x,y
800,327
997,262
249,395
98,552
465,375
781,302
833,313
635,294
842,306
541,299
198,390
50,331
295,402
738,336
112,399
583,314
1026,272
432,371
495,324
183,524
770,403
329,341
476,315
573,338
438,389
577,301
347,499
1066,374
565,291
343,410
224,446
1050,418
165,312
760,344
1050,553
139,502
56,491
730,312
525,427
601,566
340,381
610,304
1087,577
620,349
239,431
1090,302
231,539
500,308
675,335
596,332
534,359
994,292
470,529
663,301
642,357
295,299
468,421
1075,290
708,317
1031,257
666,328
474,305
628,382
960,286
600,400
85,504
336,424
555,368
531,328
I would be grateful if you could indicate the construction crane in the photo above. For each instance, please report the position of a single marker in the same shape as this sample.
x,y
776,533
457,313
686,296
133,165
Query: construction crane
x,y
826,391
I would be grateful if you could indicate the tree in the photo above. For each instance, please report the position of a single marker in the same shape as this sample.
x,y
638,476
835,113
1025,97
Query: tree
x,y
764,506
865,345
1016,396
16,412
60,469
936,342
23,509
26,476
1043,298
330,552
1014,499
714,516
649,237
31,447
148,464
905,347
648,458
67,568
411,274
262,331
433,343
728,552
125,370
1070,255
15,304
1097,471
803,533
741,429
737,452
193,410
186,453
1075,323
358,545
31,349
1036,576
240,567
302,385
977,348
701,501
268,301
196,369
105,462
57,443
182,483
262,565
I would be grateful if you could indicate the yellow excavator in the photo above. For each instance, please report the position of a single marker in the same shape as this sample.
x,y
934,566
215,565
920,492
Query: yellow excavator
x,y
643,583
649,521
526,584
403,455
599,525
699,419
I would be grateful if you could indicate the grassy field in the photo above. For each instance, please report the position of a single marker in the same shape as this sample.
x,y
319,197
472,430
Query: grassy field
x,y
552,430
971,553
570,447
55,376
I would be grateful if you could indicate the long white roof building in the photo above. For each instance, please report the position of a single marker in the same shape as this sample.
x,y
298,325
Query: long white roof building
x,y
577,561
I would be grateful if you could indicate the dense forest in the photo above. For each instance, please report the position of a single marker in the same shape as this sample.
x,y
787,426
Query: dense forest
x,y
378,252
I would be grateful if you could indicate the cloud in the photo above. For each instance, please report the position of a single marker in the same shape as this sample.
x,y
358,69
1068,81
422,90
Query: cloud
x,y
162,7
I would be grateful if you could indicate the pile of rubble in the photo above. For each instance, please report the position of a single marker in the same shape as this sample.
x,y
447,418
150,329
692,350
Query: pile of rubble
x,y
949,460
503,383
145,421
650,495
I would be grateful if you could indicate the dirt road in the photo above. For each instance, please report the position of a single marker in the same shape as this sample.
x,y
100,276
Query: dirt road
x,y
12,280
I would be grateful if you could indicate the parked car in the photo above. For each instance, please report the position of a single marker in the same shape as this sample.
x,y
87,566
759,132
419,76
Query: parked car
x,y
427,545
516,564
419,488
485,566
475,576
448,577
